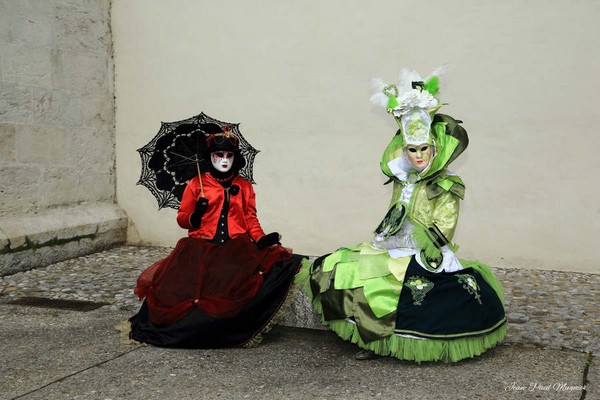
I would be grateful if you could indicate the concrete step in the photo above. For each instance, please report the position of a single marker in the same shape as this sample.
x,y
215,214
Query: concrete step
x,y
35,240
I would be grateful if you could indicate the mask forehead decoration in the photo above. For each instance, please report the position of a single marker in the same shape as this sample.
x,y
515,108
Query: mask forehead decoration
x,y
416,125
223,138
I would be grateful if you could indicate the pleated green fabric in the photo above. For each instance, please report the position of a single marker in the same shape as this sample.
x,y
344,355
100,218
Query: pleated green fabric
x,y
372,303
421,350
302,278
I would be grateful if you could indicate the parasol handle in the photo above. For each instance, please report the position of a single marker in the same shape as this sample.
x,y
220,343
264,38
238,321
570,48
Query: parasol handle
x,y
199,176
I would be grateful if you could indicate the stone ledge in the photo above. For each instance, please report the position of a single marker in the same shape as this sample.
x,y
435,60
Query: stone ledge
x,y
300,314
57,234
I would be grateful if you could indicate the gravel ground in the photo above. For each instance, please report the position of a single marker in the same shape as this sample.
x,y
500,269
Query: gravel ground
x,y
547,309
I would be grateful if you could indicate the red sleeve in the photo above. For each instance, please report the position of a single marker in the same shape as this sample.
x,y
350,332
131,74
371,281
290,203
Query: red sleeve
x,y
188,203
254,229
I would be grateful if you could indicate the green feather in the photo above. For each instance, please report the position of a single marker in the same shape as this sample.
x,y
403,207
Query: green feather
x,y
392,102
432,85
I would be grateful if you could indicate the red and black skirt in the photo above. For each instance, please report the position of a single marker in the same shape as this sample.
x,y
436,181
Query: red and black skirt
x,y
209,295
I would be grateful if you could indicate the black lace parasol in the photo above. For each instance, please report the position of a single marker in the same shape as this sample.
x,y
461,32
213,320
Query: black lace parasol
x,y
177,153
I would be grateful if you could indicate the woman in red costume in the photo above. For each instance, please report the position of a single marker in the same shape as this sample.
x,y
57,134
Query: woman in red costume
x,y
225,283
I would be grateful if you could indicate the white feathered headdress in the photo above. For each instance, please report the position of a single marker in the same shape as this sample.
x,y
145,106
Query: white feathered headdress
x,y
411,101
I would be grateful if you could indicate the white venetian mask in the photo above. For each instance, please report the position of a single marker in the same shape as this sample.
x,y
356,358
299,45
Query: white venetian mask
x,y
222,160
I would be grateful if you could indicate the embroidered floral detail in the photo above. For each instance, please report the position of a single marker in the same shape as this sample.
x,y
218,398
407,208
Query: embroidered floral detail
x,y
470,285
419,287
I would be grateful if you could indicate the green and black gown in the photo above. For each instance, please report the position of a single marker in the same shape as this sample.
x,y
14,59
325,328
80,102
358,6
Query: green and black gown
x,y
407,294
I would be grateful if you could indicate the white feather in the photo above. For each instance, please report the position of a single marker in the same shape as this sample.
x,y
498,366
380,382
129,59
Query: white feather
x,y
407,77
440,72
377,84
379,99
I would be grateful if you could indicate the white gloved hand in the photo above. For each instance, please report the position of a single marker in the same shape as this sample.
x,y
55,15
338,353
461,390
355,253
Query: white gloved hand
x,y
450,262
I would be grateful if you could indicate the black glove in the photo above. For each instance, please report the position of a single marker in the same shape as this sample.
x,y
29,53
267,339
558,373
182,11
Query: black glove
x,y
268,240
199,211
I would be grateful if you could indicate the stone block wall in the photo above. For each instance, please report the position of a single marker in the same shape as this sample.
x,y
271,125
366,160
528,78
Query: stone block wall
x,y
56,104
57,135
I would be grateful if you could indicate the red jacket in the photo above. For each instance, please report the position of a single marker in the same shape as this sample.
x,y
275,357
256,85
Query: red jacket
x,y
241,218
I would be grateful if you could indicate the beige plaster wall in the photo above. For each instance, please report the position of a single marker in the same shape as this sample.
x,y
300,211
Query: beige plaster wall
x,y
296,75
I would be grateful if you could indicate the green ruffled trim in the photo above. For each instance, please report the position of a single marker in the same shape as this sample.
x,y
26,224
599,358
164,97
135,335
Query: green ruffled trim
x,y
421,350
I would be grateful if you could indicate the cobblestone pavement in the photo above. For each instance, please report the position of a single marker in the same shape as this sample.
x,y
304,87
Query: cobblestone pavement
x,y
548,309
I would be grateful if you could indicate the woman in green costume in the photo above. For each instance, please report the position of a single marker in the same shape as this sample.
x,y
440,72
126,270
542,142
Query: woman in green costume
x,y
406,294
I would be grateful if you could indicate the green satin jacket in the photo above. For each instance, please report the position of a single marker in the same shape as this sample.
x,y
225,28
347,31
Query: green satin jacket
x,y
434,203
